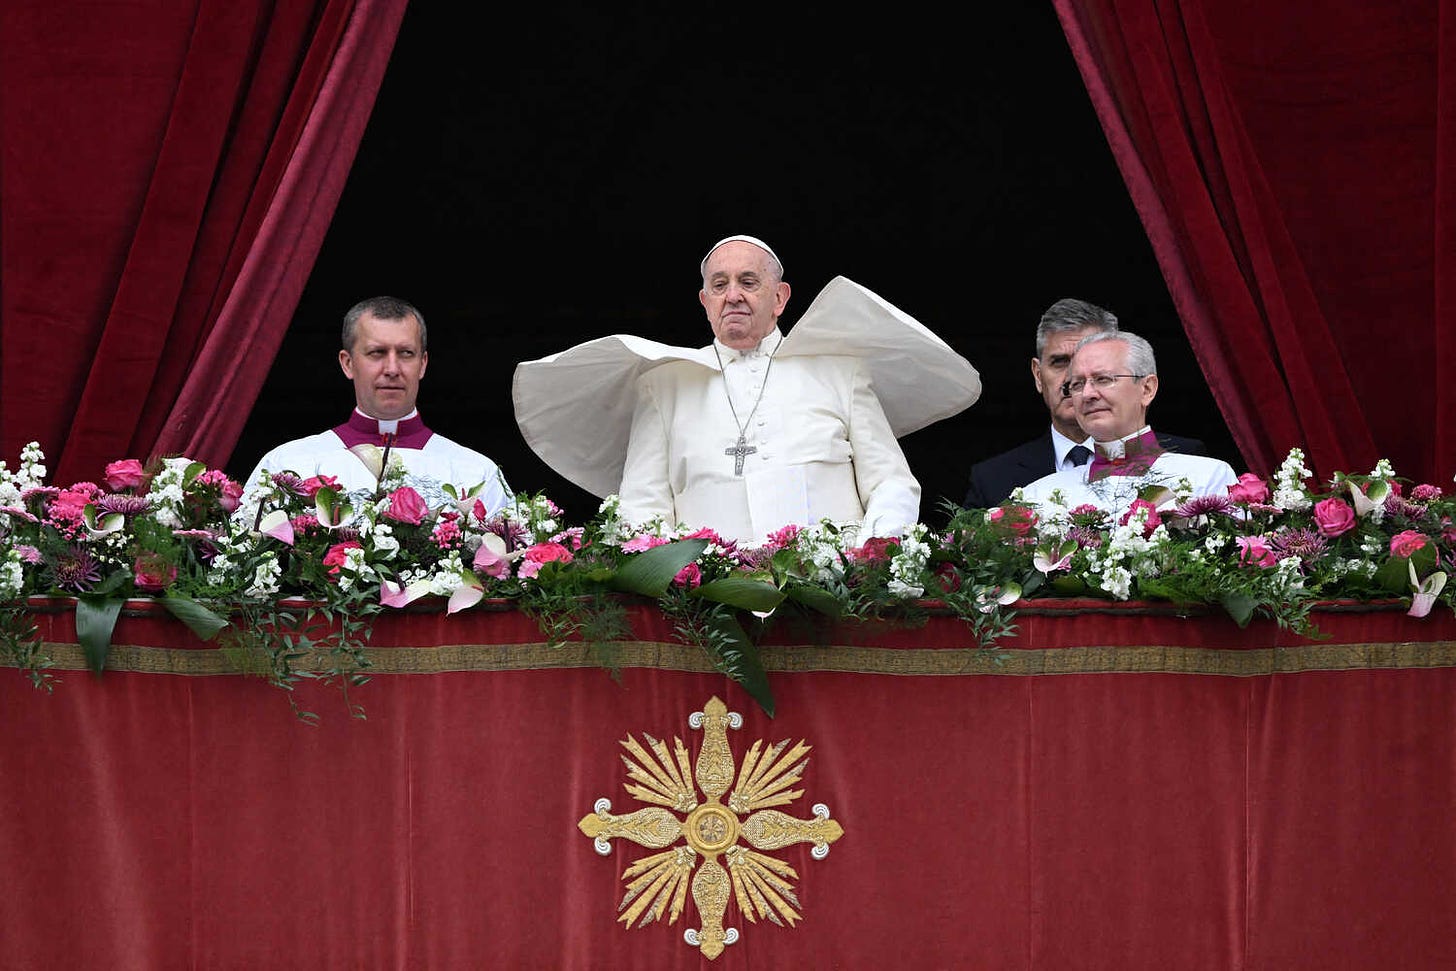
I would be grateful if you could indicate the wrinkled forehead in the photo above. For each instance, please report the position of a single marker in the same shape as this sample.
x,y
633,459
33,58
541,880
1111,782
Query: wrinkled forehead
x,y
1102,357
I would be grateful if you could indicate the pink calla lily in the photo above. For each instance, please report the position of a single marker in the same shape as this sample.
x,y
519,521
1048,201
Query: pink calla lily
x,y
277,525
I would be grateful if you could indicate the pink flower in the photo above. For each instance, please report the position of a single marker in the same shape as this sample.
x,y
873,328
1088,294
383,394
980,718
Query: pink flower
x,y
446,534
570,537
539,555
304,522
406,506
1406,543
335,558
1153,521
126,474
1018,520
689,576
707,534
153,573
784,537
876,549
313,484
1254,551
493,564
1249,488
1425,493
1334,517
644,542
231,495
71,503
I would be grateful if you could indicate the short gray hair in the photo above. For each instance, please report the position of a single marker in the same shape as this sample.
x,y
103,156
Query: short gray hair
x,y
1140,359
1068,314
380,308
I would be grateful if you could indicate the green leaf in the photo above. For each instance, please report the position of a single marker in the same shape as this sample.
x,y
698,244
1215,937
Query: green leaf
x,y
744,593
95,620
815,598
1394,575
204,622
650,572
739,659
1069,586
1240,607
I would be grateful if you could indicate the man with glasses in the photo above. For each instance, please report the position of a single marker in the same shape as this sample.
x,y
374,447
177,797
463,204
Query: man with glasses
x,y
1064,445
1111,381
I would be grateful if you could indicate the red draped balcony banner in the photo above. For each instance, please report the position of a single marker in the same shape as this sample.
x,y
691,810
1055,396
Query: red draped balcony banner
x,y
1117,787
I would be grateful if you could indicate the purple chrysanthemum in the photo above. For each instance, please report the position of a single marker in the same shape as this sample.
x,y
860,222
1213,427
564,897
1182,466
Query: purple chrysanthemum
x,y
1085,537
1202,506
29,554
1307,544
23,515
512,532
1397,505
76,570
126,505
289,482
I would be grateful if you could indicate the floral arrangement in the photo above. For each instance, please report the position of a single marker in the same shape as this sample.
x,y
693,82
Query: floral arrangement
x,y
291,568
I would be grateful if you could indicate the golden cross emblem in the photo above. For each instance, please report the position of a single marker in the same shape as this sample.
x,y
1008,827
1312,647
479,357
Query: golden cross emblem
x,y
657,884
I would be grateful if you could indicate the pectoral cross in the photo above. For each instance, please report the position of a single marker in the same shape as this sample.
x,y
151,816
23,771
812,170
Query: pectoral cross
x,y
740,451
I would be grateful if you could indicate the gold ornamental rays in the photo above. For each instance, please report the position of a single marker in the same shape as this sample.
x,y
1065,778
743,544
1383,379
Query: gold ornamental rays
x,y
732,834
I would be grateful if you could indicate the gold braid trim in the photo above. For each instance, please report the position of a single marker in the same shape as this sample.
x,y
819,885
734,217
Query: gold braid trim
x,y
1142,659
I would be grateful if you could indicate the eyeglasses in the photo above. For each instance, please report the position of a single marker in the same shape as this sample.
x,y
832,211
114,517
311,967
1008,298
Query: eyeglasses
x,y
1099,381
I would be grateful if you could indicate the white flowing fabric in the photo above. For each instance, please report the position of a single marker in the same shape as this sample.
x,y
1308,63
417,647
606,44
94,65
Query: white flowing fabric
x,y
575,409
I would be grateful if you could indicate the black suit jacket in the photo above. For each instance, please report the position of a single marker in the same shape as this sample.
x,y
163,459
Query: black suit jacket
x,y
993,479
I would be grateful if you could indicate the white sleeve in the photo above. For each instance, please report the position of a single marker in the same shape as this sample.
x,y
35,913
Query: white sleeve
x,y
645,491
888,490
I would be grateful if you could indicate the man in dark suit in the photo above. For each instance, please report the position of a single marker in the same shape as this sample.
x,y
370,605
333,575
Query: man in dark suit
x,y
1064,444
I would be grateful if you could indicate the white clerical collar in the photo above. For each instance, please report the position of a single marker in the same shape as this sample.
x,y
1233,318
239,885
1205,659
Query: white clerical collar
x,y
1116,448
764,348
388,426
1061,445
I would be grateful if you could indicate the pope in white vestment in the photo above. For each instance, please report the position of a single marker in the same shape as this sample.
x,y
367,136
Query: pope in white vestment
x,y
757,430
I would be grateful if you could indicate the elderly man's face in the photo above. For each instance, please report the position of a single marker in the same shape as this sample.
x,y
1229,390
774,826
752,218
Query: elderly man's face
x,y
740,296
1119,409
385,364
1050,371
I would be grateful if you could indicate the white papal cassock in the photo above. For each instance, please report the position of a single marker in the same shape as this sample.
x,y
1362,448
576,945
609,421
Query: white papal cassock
x,y
820,411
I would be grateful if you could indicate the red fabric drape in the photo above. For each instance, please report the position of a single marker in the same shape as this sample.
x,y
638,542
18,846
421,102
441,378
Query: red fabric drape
x,y
150,170
1290,167
1136,817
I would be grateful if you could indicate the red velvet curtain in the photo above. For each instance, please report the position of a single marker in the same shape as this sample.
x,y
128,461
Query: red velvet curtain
x,y
1291,165
168,173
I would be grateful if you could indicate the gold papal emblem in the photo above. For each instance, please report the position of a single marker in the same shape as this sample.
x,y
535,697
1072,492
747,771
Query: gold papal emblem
x,y
657,884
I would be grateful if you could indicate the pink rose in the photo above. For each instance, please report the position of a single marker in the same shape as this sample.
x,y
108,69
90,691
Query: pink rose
x,y
1249,488
313,484
126,474
1153,520
338,554
949,577
1253,551
876,549
1334,517
539,555
152,573
1018,520
406,506
689,576
1406,543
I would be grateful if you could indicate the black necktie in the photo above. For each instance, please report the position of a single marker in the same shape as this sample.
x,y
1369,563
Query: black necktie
x,y
1079,454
